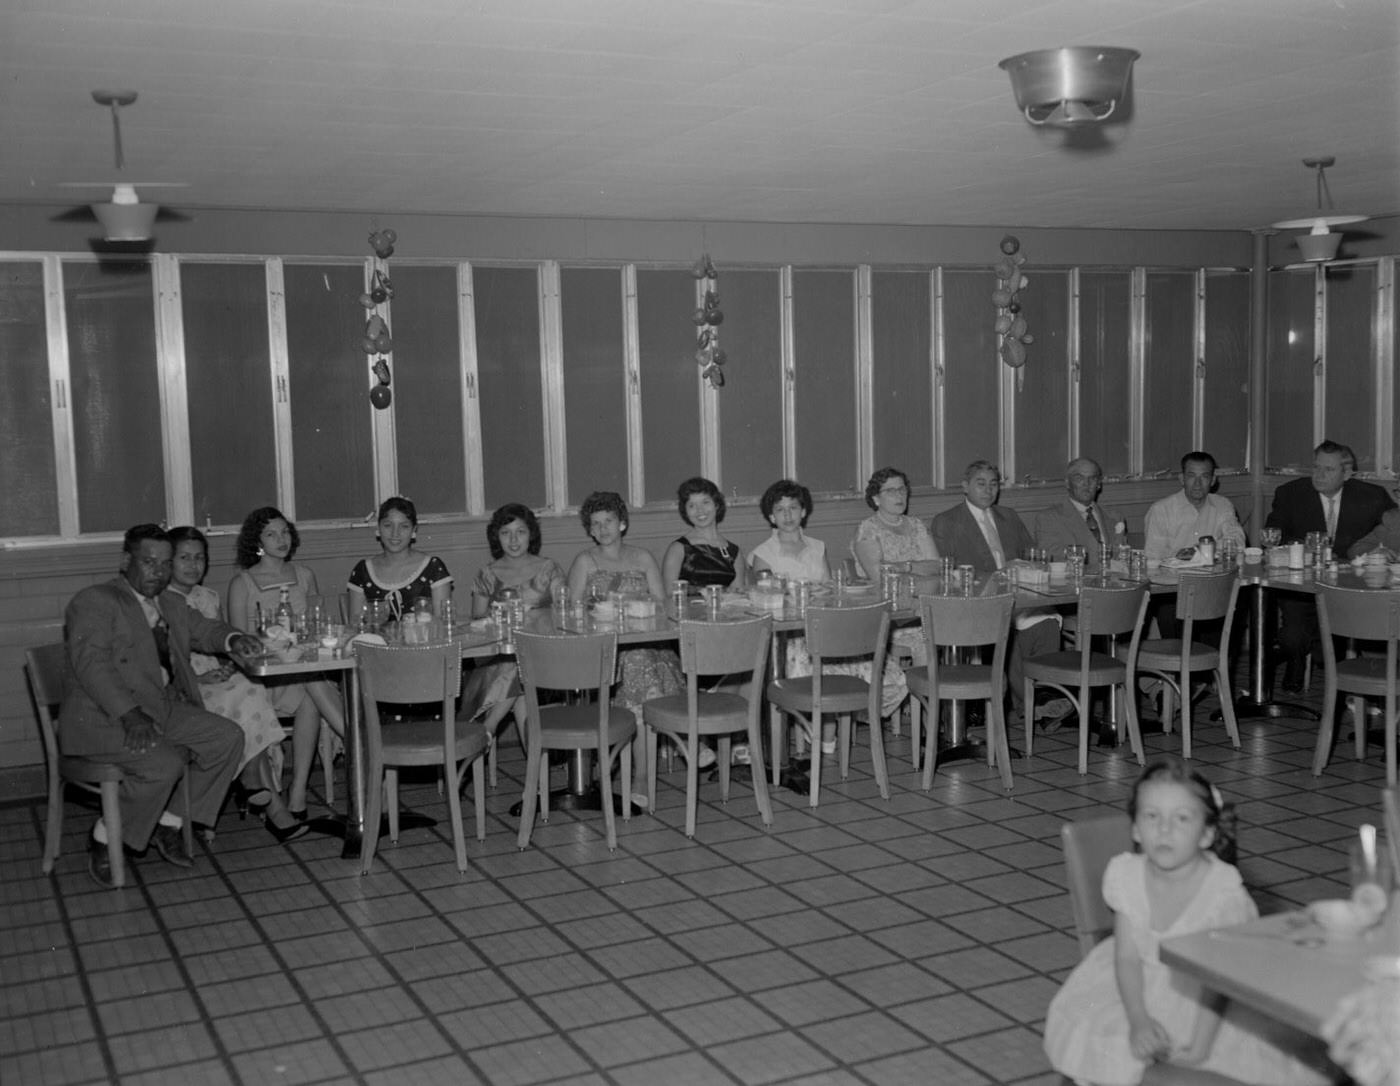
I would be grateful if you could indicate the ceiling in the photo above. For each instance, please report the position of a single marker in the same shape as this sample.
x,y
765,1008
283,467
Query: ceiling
x,y
854,111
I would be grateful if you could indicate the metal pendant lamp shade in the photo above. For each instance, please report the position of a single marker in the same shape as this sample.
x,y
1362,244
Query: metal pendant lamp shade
x,y
1072,86
125,219
1320,244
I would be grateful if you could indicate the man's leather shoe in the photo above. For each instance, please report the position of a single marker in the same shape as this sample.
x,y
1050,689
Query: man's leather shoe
x,y
170,843
100,865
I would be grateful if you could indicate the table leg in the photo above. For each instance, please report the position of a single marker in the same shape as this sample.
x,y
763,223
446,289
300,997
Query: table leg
x,y
1257,702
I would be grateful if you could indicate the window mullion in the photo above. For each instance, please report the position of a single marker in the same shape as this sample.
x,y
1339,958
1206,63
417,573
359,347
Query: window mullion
x,y
789,364
471,388
1137,368
174,391
384,447
556,451
277,376
632,365
65,454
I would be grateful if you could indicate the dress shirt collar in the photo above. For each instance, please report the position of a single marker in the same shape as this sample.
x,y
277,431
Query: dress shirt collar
x,y
149,607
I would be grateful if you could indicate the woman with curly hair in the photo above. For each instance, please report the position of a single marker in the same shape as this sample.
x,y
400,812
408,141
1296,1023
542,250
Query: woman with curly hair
x,y
890,535
399,575
266,544
702,556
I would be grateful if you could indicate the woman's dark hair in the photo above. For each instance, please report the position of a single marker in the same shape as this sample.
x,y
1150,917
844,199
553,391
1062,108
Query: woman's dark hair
x,y
503,516
188,533
603,501
698,484
1220,816
398,504
878,481
786,488
247,550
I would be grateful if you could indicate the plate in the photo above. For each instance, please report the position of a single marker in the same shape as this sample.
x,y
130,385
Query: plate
x,y
859,589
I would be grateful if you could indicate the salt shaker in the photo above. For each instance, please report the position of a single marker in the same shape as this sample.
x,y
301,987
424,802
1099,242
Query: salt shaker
x,y
1205,546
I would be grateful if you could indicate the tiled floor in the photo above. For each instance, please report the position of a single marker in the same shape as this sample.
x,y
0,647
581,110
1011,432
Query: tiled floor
x,y
914,940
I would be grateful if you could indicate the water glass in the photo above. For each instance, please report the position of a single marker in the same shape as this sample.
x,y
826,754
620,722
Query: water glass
x,y
447,615
711,593
1270,537
967,578
1371,867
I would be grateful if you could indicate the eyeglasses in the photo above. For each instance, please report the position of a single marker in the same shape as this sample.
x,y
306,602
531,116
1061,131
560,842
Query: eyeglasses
x,y
897,491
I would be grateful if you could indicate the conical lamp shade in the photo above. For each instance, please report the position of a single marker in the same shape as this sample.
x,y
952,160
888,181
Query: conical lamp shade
x,y
1319,248
126,222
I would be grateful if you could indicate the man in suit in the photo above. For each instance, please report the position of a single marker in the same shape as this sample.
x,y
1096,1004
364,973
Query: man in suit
x,y
1080,519
980,533
1329,501
131,699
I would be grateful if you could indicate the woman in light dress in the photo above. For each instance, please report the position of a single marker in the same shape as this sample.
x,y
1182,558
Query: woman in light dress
x,y
228,692
492,689
266,543
702,556
790,552
399,575
890,535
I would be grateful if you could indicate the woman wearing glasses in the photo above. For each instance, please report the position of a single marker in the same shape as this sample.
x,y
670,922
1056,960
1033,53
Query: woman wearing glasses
x,y
890,535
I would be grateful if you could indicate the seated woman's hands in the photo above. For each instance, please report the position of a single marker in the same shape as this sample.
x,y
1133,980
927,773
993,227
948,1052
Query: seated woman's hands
x,y
1148,1040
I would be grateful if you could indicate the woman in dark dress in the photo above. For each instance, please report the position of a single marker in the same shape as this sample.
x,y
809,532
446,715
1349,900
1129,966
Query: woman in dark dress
x,y
702,556
401,574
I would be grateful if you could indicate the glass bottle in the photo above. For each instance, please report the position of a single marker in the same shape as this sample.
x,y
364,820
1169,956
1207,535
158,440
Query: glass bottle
x,y
283,616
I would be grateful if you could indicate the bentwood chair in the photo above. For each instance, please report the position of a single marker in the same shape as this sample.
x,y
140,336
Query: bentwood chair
x,y
417,675
1364,615
576,663
44,666
713,649
953,622
1089,845
1200,597
836,632
1103,612
1390,810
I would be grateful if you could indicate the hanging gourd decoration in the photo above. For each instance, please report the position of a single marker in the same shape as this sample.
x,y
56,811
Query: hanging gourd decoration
x,y
707,318
376,340
1012,336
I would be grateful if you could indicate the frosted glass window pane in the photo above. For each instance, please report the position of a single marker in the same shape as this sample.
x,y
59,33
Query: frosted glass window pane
x,y
751,402
1170,370
116,394
329,382
1351,351
427,388
902,378
1226,421
595,380
1290,370
824,347
28,477
508,371
670,392
1042,396
229,382
1104,321
971,370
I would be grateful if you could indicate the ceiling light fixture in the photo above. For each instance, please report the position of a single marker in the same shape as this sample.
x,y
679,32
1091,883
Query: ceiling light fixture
x,y
1069,87
1320,245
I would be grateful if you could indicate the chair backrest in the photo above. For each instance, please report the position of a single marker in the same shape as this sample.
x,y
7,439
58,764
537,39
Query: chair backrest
x,y
44,665
1390,809
1369,615
407,674
1204,596
725,648
962,620
566,661
1089,845
1111,611
847,631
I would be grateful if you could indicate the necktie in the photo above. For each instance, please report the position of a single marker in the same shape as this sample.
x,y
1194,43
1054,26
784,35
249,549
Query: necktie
x,y
1093,523
989,532
161,632
1332,515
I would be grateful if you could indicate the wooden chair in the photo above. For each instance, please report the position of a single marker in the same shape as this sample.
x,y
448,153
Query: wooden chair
x,y
1103,612
417,674
1390,809
714,649
577,663
1201,597
952,622
1365,616
1089,845
837,632
44,666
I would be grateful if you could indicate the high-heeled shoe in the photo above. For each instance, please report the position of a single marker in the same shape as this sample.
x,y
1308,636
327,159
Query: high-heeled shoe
x,y
287,833
245,798
300,815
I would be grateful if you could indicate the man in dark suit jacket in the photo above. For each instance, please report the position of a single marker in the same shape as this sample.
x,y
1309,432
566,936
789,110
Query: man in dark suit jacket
x,y
960,534
1330,501
131,698
1058,526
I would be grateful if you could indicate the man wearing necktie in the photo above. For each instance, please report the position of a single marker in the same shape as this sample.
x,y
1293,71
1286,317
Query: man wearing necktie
x,y
980,533
131,699
1079,519
1330,501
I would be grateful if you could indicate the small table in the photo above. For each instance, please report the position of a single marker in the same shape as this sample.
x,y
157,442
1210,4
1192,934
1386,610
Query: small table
x,y
1280,965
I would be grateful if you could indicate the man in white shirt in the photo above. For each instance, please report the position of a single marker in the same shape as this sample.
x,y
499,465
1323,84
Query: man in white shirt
x,y
1176,523
980,533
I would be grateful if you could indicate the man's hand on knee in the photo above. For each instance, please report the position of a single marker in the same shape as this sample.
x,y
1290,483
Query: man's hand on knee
x,y
142,732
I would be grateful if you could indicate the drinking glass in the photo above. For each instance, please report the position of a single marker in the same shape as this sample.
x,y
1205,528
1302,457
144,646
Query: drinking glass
x,y
1371,876
1270,537
315,615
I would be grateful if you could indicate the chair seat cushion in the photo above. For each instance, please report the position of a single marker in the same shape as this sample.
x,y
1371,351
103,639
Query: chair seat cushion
x,y
1063,667
718,714
570,727
956,682
840,693
72,767
1165,655
1364,675
419,742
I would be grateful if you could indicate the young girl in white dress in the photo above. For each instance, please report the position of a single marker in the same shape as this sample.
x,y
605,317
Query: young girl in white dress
x,y
1124,1018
